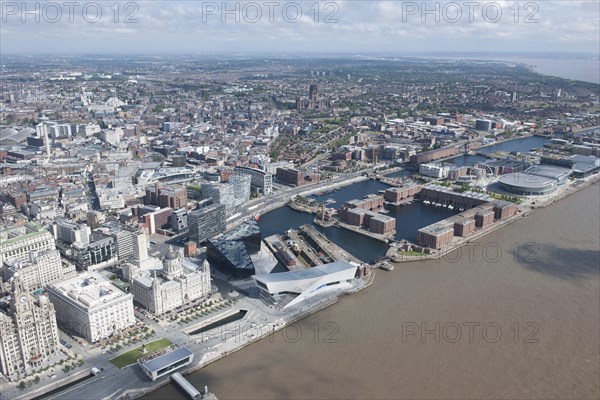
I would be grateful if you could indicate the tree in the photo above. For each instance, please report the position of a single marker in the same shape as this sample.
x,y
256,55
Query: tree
x,y
36,379
22,385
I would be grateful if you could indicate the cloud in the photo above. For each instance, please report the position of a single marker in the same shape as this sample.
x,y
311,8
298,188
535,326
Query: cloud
x,y
361,26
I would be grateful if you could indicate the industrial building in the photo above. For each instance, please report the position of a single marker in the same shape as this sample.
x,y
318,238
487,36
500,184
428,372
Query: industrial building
x,y
440,234
296,177
433,155
397,194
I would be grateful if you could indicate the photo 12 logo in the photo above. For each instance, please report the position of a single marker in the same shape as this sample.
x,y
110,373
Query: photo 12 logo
x,y
253,12
468,11
469,331
52,12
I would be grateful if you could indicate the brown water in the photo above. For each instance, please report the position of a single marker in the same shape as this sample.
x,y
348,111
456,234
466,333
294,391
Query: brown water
x,y
556,356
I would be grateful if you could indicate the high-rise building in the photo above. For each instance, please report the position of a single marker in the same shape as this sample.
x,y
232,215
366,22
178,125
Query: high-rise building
x,y
179,220
260,181
42,132
141,260
174,198
140,246
91,307
70,232
29,336
206,222
313,93
101,252
232,194
124,243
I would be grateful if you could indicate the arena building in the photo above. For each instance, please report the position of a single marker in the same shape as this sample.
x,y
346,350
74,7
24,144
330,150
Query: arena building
x,y
537,180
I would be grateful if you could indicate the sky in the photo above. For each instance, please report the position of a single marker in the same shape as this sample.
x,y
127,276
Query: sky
x,y
267,26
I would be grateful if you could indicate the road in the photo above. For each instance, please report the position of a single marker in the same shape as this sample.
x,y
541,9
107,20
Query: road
x,y
280,198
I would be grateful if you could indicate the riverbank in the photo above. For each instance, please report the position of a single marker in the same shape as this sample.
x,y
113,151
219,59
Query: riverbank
x,y
540,311
524,210
322,304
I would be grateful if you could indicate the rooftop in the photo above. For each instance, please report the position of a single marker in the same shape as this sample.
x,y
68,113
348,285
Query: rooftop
x,y
308,273
159,360
88,290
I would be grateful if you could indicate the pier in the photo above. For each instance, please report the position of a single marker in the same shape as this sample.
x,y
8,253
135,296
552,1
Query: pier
x,y
187,387
327,247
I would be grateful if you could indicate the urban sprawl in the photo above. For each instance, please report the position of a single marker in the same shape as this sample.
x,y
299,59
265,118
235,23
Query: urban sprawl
x,y
132,191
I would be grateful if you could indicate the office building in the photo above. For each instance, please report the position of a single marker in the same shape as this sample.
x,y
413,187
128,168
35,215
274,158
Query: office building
x,y
232,194
16,243
99,253
40,269
483,125
29,336
231,253
166,197
206,222
179,220
179,282
434,170
70,232
260,181
91,307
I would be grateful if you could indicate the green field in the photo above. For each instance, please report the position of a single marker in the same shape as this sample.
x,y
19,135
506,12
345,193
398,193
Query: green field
x,y
130,357
411,253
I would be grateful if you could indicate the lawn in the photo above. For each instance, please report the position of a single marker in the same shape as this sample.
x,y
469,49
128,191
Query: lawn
x,y
411,253
130,357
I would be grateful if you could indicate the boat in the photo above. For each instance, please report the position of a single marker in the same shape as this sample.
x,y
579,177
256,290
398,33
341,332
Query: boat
x,y
330,201
386,267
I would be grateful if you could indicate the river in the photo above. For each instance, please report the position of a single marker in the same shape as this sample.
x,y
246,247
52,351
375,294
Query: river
x,y
540,307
